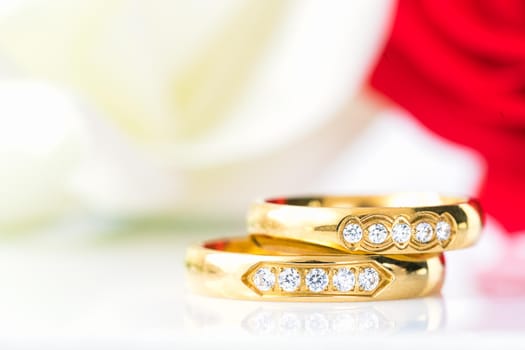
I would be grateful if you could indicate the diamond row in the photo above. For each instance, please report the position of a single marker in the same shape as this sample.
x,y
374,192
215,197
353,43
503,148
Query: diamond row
x,y
401,232
317,279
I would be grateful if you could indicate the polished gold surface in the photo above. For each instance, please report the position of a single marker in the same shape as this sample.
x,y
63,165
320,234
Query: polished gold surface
x,y
226,268
322,220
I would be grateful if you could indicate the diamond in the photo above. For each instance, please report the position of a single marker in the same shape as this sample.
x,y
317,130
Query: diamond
x,y
377,233
264,279
424,232
368,279
352,233
344,280
289,279
401,233
443,230
316,280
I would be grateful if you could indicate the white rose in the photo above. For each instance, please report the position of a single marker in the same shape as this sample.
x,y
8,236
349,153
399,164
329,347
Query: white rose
x,y
200,105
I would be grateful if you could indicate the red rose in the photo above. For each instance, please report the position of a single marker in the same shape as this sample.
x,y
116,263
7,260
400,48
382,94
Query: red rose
x,y
459,67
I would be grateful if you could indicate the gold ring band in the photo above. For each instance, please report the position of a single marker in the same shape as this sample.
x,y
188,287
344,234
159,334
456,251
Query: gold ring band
x,y
392,224
242,269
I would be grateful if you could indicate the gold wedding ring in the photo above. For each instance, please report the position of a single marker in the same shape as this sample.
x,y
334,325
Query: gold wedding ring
x,y
336,248
283,270
392,224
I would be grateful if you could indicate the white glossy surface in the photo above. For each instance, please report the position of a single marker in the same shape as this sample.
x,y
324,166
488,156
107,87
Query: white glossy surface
x,y
86,293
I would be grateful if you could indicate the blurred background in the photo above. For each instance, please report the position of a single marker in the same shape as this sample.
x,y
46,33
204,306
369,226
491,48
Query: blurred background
x,y
130,129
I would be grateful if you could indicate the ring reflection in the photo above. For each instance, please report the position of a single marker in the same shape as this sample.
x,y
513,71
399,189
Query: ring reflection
x,y
267,318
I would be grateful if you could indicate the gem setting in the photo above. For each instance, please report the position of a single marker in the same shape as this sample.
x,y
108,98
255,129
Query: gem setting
x,y
424,232
368,279
316,280
361,279
289,279
376,233
344,279
264,279
352,233
443,230
401,233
